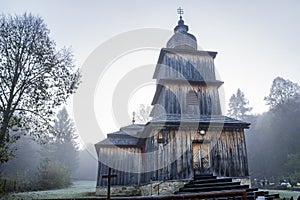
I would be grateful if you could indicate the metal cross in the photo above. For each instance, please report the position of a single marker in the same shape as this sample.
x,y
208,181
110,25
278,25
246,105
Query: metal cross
x,y
180,12
109,176
133,117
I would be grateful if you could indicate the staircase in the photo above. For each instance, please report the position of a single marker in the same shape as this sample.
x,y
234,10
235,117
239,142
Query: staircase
x,y
209,183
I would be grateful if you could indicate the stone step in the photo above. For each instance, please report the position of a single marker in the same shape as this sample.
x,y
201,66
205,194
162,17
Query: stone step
x,y
252,195
255,193
260,193
275,196
269,198
252,189
209,189
203,177
228,198
211,181
197,185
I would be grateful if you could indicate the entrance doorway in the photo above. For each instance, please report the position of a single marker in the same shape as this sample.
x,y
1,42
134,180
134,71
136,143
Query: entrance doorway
x,y
201,158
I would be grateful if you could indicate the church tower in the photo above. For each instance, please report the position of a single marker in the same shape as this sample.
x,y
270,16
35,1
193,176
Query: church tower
x,y
186,81
190,134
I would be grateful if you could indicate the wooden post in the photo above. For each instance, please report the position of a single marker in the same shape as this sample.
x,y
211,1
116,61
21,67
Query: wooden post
x,y
109,176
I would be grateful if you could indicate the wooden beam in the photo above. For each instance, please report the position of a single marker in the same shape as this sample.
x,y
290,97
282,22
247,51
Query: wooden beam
x,y
109,176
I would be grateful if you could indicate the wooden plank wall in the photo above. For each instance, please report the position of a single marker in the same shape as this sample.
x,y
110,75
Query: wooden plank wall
x,y
173,159
187,66
173,99
125,162
229,156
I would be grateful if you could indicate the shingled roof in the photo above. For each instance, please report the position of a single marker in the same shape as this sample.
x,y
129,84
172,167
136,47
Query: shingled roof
x,y
202,119
124,137
129,135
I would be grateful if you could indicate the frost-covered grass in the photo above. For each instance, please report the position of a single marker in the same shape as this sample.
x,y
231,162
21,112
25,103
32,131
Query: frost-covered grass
x,y
76,190
80,189
286,193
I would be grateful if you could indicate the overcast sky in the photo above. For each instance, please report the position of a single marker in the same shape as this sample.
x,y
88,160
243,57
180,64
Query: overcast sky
x,y
256,40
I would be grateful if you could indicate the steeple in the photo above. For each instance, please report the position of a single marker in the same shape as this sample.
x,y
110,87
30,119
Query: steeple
x,y
181,38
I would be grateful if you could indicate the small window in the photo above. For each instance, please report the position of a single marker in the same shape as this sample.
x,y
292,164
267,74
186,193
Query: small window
x,y
192,98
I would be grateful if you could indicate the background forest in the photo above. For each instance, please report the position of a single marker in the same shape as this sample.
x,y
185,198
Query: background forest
x,y
272,144
273,138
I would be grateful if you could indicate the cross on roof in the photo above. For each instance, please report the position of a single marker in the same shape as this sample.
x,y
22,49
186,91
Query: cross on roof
x,y
180,12
133,117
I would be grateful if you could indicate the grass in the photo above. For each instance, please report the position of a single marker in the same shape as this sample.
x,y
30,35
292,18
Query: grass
x,y
81,189
78,189
286,193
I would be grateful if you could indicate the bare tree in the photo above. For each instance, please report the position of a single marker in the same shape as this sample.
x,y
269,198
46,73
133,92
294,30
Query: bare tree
x,y
35,79
281,91
143,113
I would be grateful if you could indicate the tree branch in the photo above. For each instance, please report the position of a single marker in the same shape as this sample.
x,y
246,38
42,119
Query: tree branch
x,y
37,114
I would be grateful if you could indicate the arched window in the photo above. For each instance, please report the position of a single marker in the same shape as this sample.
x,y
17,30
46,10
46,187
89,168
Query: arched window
x,y
192,98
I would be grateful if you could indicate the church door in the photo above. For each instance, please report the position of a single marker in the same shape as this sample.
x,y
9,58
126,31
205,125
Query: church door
x,y
201,158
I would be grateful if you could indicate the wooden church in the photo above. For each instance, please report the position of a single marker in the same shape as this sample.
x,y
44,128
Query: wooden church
x,y
188,135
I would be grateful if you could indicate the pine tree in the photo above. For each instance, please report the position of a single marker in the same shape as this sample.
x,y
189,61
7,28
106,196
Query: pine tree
x,y
65,144
239,106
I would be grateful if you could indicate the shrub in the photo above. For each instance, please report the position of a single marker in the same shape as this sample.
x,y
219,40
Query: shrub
x,y
52,176
18,183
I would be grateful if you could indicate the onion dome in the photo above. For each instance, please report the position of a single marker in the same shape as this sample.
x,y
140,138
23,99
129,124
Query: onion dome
x,y
181,38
